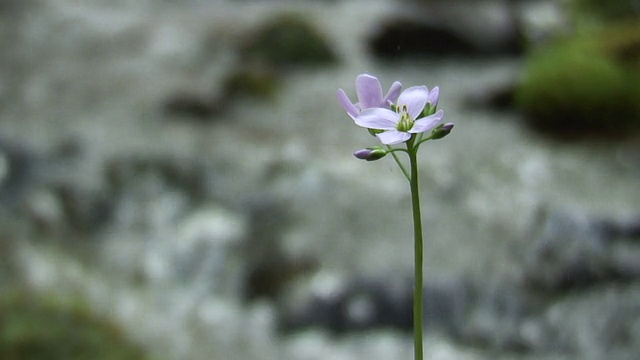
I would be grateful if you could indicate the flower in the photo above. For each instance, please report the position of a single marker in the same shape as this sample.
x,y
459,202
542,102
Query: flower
x,y
398,125
369,93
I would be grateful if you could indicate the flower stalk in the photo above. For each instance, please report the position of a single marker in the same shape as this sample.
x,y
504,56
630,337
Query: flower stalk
x,y
400,118
417,250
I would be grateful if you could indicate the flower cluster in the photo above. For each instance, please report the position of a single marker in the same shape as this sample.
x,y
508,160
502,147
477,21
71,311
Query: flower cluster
x,y
396,117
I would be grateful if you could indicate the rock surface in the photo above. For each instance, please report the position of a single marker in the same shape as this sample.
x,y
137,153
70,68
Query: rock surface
x,y
198,237
443,29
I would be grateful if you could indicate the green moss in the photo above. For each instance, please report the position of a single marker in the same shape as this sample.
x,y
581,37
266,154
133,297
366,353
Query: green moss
x,y
252,82
287,40
32,328
620,42
606,10
580,87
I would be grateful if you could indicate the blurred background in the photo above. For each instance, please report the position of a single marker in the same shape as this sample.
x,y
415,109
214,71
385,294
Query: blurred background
x,y
177,180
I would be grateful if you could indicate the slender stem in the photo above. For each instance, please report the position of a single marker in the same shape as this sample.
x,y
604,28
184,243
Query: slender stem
x,y
402,168
417,233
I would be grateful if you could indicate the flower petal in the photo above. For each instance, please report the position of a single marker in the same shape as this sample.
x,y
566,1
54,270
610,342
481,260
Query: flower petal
x,y
427,123
393,137
415,98
393,93
378,118
363,153
434,95
347,105
369,91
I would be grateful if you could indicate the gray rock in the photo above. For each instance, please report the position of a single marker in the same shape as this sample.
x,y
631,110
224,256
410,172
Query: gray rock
x,y
444,28
17,165
366,303
268,266
569,250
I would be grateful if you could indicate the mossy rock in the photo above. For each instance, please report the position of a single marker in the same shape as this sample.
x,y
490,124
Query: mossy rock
x,y
620,42
405,38
32,328
603,10
287,40
252,82
577,88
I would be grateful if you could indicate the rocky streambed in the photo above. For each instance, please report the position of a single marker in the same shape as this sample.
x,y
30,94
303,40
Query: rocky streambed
x,y
253,233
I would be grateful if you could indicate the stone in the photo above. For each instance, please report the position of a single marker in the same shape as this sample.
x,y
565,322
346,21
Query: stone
x,y
287,40
269,268
443,28
570,251
191,105
365,303
17,172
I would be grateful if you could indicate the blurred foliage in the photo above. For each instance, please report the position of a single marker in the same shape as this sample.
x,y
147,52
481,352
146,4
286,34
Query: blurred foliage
x,y
586,84
287,40
620,42
7,266
34,328
605,10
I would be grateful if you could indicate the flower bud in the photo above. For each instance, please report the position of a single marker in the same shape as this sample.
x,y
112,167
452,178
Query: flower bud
x,y
434,96
428,110
441,131
432,102
371,154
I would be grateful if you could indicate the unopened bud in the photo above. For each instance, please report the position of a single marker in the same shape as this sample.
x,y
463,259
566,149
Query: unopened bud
x,y
432,102
434,96
371,154
441,131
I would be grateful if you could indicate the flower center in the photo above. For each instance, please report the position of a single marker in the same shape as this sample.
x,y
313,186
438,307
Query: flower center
x,y
406,122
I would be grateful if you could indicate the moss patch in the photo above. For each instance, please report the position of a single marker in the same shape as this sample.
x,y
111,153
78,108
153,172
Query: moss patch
x,y
621,43
287,40
584,86
611,10
250,82
32,328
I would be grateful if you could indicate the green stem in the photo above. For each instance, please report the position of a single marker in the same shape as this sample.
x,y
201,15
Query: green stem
x,y
417,233
402,168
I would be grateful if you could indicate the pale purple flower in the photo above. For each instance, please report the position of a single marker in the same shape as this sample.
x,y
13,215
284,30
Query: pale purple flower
x,y
369,92
400,124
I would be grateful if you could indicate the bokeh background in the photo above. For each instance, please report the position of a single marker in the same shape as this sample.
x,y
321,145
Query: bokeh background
x,y
177,180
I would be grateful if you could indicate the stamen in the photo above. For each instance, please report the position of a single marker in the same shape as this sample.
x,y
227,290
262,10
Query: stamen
x,y
406,123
